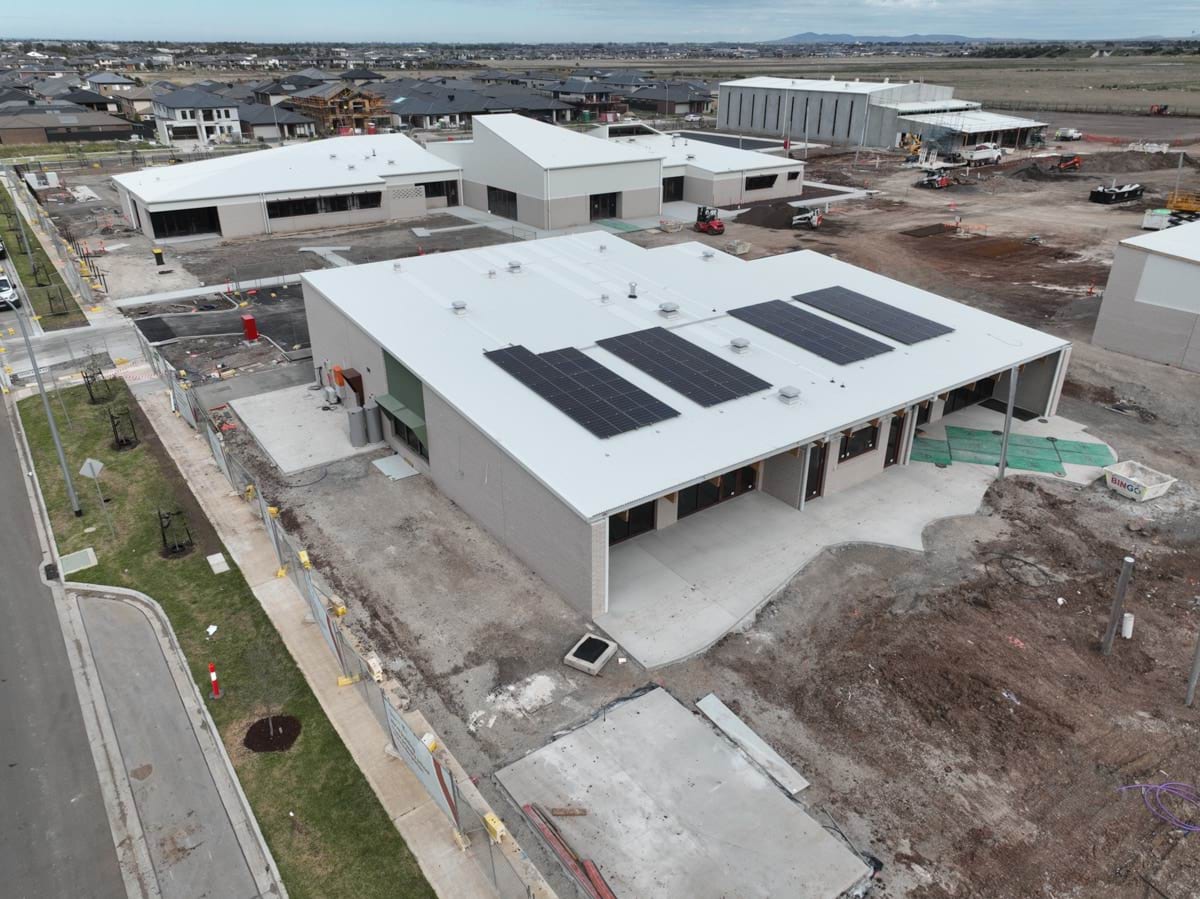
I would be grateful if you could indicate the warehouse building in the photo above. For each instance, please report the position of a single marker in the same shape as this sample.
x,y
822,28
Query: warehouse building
x,y
710,174
322,184
549,177
574,393
1151,306
865,114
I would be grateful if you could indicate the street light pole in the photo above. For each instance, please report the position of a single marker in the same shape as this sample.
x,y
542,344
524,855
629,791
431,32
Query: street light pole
x,y
37,374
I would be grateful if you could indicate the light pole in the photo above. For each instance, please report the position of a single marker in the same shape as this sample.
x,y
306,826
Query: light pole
x,y
37,374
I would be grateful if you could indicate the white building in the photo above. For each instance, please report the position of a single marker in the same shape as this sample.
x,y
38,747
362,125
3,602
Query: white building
x,y
710,174
549,177
1151,306
321,184
865,113
576,392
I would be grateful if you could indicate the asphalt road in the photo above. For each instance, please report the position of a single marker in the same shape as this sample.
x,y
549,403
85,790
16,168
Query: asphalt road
x,y
54,833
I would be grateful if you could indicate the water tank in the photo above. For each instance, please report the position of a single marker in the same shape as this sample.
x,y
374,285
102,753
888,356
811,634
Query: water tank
x,y
357,419
374,423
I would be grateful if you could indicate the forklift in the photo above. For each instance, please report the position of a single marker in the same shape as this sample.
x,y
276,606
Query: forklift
x,y
707,221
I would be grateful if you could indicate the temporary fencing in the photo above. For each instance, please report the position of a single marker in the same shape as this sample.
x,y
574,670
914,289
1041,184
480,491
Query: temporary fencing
x,y
410,738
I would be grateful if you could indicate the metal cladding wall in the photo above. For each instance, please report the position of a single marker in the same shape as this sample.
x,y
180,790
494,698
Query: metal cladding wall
x,y
1142,314
841,114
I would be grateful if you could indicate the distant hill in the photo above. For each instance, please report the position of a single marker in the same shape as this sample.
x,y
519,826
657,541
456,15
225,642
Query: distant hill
x,y
811,37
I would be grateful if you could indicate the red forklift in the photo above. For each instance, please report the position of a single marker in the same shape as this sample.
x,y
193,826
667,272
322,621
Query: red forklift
x,y
707,221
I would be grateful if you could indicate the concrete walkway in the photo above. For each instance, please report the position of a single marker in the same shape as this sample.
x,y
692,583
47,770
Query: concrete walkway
x,y
674,593
450,871
200,833
189,292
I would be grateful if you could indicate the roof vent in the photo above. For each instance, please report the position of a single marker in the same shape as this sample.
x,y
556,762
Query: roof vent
x,y
396,267
603,247
491,273
739,345
459,307
789,394
333,156
391,162
691,155
668,309
604,299
350,166
707,254
633,290
514,266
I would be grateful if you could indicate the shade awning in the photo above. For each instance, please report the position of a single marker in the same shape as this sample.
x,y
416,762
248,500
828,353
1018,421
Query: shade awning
x,y
402,413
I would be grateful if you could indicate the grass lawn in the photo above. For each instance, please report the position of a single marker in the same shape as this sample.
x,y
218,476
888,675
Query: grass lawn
x,y
17,151
344,844
52,318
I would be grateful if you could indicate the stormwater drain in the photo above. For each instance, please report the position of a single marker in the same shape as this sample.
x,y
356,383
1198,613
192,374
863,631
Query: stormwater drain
x,y
590,654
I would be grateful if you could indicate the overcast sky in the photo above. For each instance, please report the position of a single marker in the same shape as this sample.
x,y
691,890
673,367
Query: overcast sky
x,y
589,20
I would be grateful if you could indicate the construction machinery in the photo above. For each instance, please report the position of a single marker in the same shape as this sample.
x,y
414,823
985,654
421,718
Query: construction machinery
x,y
1183,201
807,216
1067,163
708,220
935,181
1160,109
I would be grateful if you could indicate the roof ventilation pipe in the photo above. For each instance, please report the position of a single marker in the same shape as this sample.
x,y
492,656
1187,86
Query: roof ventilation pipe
x,y
707,254
514,267
668,310
740,345
633,290
397,267
789,394
603,247
604,299
459,307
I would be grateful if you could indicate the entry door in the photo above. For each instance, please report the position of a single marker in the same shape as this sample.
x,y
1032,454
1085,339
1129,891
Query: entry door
x,y
672,189
603,206
895,433
815,485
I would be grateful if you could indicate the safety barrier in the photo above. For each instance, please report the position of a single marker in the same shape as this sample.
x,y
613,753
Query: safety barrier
x,y
411,739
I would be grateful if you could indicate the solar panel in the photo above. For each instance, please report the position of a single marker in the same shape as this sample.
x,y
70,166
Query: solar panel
x,y
583,389
811,332
882,318
701,376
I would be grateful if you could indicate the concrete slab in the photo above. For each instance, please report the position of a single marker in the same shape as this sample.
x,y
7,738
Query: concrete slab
x,y
217,563
297,429
77,561
760,752
394,467
674,810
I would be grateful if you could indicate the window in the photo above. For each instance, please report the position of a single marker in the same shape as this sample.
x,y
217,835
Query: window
x,y
792,176
631,522
410,438
372,200
286,208
760,182
859,443
334,204
317,205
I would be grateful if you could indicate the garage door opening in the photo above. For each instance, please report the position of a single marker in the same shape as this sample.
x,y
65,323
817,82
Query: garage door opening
x,y
185,222
673,189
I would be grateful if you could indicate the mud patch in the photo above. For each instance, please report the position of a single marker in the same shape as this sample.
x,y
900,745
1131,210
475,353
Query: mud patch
x,y
274,734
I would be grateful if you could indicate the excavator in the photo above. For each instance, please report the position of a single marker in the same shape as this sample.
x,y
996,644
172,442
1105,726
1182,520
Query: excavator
x,y
707,220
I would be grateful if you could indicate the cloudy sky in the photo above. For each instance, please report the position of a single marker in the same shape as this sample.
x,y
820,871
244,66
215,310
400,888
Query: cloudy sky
x,y
590,20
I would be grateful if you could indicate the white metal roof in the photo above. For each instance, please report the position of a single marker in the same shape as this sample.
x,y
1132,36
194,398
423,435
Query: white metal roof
x,y
909,107
710,157
1182,242
813,84
364,160
550,146
555,301
973,121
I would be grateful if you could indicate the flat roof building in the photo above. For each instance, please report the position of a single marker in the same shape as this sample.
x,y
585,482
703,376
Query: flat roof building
x,y
321,184
1151,305
576,392
549,177
865,113
710,174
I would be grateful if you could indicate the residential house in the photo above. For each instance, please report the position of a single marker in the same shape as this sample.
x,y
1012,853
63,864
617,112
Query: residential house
x,y
195,115
273,123
342,108
91,100
108,83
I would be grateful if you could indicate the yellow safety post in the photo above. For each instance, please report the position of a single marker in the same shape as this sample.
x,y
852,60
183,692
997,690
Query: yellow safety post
x,y
304,560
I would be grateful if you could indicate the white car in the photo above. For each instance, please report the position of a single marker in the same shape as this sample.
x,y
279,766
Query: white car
x,y
693,117
8,293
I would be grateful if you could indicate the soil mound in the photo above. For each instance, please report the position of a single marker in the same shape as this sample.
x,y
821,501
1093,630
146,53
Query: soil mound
x,y
769,215
1120,161
274,734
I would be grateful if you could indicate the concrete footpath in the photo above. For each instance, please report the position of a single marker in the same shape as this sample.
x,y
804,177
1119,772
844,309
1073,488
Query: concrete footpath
x,y
196,823
450,871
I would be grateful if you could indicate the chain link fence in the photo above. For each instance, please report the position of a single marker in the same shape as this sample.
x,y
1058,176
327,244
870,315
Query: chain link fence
x,y
503,863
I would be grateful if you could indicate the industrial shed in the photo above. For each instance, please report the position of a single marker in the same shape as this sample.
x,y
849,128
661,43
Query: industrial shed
x,y
576,393
710,174
864,113
549,177
1151,306
322,184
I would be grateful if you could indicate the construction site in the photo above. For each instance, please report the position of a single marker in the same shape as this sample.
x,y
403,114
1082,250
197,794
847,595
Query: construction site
x,y
913,701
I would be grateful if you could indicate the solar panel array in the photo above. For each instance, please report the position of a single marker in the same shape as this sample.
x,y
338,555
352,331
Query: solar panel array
x,y
811,332
583,389
701,376
882,318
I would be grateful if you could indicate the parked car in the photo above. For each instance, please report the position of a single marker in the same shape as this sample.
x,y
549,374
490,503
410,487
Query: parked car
x,y
1068,134
3,251
693,117
8,293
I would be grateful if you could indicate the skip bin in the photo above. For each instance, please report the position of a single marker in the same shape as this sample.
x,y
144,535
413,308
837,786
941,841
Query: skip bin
x,y
1137,481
